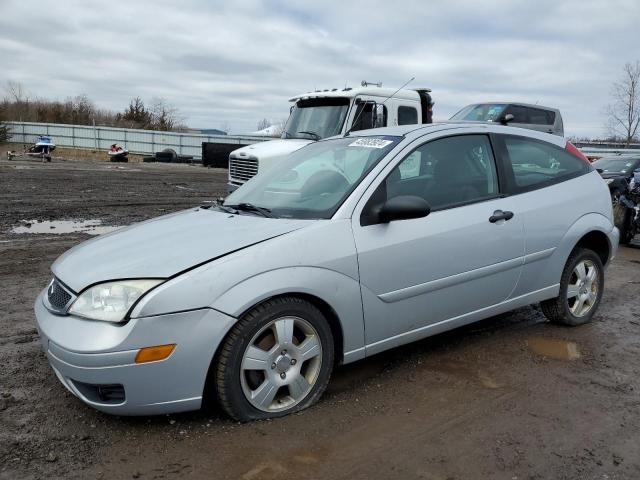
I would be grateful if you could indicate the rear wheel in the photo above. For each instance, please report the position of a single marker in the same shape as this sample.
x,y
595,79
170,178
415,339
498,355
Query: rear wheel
x,y
581,287
276,360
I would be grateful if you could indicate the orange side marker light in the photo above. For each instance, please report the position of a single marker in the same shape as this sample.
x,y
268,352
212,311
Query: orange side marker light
x,y
153,354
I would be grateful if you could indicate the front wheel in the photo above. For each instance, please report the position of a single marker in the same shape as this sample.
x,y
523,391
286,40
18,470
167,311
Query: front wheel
x,y
581,287
276,360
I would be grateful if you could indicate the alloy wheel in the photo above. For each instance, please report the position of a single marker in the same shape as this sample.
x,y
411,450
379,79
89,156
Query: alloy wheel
x,y
582,291
281,364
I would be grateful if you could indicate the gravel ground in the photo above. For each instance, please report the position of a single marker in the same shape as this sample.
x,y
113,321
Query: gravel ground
x,y
512,397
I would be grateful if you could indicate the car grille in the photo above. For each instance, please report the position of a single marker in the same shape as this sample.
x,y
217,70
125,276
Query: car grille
x,y
58,296
242,169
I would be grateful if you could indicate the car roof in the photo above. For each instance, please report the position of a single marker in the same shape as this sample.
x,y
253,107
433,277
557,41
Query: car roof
x,y
412,132
520,104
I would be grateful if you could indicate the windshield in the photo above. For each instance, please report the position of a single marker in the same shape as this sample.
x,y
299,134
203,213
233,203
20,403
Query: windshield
x,y
617,165
485,112
314,181
316,118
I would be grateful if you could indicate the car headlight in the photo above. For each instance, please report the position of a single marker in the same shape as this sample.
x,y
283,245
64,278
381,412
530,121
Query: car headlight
x,y
111,301
608,180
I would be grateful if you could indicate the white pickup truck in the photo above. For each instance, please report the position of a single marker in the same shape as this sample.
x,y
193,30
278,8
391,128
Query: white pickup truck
x,y
322,114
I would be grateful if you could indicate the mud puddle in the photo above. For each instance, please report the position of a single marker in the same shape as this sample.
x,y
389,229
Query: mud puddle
x,y
554,348
59,227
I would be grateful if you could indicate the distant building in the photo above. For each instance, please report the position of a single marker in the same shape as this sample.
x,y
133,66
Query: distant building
x,y
211,131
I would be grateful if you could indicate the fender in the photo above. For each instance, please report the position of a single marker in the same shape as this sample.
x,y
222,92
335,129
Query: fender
x,y
544,269
585,224
339,291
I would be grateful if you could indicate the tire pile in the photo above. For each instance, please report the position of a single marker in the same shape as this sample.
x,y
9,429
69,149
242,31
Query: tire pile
x,y
169,155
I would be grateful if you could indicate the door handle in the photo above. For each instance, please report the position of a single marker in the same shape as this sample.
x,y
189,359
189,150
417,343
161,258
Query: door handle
x,y
500,215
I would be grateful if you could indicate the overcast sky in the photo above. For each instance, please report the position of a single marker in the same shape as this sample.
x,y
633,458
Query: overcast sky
x,y
236,62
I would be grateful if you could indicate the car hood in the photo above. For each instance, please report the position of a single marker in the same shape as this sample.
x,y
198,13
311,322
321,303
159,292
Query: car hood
x,y
165,246
272,148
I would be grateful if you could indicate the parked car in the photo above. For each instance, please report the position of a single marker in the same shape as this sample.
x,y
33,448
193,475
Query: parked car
x,y
615,167
523,115
620,173
395,234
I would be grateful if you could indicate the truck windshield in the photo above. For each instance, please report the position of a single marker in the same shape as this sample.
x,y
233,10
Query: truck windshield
x,y
312,182
316,118
485,112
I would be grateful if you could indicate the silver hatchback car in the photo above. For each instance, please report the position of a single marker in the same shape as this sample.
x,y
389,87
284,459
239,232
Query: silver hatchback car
x,y
354,245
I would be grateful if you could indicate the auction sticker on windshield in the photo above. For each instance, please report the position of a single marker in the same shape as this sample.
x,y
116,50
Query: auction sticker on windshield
x,y
370,143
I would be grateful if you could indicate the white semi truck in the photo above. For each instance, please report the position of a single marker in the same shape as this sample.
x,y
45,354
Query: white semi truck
x,y
325,113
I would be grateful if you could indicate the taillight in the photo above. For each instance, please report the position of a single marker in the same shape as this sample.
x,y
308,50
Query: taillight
x,y
572,149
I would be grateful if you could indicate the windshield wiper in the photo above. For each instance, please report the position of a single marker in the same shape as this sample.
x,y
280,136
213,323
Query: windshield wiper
x,y
226,209
313,134
250,207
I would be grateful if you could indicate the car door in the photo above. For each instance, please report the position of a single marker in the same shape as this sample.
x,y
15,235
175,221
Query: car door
x,y
420,274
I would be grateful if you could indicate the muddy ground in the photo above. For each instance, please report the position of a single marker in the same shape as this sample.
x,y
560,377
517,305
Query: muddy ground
x,y
512,397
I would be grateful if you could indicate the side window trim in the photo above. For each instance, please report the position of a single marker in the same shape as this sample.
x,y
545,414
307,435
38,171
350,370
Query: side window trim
x,y
398,159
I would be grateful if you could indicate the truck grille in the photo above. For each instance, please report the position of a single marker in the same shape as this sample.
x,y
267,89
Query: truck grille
x,y
58,296
242,169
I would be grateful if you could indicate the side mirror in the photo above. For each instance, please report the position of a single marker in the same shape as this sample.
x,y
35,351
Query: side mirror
x,y
379,115
505,119
403,207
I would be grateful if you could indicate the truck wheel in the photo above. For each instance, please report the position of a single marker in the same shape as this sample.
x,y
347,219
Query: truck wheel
x,y
276,360
581,287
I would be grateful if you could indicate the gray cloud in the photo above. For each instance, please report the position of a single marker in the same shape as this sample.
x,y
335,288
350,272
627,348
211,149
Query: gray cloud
x,y
238,62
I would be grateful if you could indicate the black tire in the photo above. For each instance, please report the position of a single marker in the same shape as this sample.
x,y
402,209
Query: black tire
x,y
626,228
557,309
227,376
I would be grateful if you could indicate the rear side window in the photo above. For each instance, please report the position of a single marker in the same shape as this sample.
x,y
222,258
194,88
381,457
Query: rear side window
x,y
538,116
519,113
537,164
407,115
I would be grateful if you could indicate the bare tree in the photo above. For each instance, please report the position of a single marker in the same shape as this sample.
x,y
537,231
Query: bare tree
x,y
17,104
15,92
624,112
225,127
164,116
262,124
280,124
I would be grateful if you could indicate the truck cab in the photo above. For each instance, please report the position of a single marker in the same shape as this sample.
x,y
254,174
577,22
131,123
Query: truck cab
x,y
325,113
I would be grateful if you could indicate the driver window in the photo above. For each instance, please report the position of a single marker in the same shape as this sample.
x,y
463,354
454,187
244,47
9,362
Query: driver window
x,y
364,118
446,172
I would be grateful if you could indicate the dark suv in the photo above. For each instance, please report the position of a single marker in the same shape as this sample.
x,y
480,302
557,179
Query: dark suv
x,y
533,117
